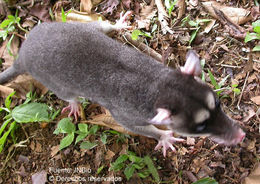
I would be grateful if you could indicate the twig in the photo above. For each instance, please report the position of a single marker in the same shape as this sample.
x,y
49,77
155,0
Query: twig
x,y
239,100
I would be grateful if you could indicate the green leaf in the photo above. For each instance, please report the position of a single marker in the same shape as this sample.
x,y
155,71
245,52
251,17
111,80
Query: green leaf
x,y
5,23
8,100
4,137
148,161
256,26
93,130
3,126
206,181
63,16
143,174
88,145
139,165
256,48
135,159
193,35
113,132
65,126
80,137
66,141
32,112
251,36
135,34
222,82
116,167
8,46
203,20
213,80
236,91
83,127
172,7
129,171
121,159
100,169
3,34
104,138
154,28
193,23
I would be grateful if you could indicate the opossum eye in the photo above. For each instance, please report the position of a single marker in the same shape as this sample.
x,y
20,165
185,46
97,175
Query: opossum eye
x,y
200,127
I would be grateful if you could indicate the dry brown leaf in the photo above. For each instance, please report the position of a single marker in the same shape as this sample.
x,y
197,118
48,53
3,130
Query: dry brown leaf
x,y
146,14
254,177
22,85
76,16
209,26
162,17
182,8
237,15
108,121
55,150
109,155
256,100
41,10
86,6
251,113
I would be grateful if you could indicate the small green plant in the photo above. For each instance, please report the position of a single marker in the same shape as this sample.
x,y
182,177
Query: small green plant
x,y
255,35
206,181
132,163
170,4
136,33
236,90
119,136
8,25
216,85
196,24
65,126
24,113
64,15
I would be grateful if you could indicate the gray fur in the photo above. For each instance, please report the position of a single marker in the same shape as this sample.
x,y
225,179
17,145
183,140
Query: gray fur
x,y
80,60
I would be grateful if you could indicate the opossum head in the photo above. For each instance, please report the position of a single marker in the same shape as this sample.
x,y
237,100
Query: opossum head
x,y
191,108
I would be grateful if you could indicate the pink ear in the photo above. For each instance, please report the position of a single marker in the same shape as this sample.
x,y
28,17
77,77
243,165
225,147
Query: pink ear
x,y
192,65
162,117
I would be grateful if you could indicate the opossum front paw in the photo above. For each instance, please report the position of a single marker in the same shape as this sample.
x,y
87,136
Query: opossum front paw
x,y
121,23
73,107
166,141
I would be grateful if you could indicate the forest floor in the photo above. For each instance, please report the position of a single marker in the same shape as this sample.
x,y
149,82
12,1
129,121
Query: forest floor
x,y
216,31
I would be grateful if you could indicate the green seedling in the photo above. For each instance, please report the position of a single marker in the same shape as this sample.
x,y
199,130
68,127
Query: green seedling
x,y
206,181
196,24
134,164
170,4
136,33
24,113
236,90
120,137
255,35
84,102
64,15
65,126
216,85
8,25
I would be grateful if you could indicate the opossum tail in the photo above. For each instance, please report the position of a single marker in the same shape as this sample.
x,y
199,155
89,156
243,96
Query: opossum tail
x,y
9,74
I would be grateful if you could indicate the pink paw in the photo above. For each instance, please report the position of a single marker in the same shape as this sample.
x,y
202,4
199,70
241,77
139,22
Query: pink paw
x,y
121,23
166,142
73,107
